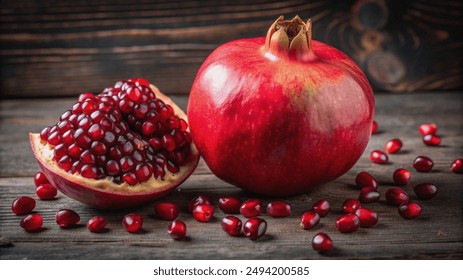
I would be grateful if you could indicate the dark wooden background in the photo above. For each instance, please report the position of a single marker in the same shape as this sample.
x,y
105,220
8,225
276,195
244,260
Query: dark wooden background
x,y
62,48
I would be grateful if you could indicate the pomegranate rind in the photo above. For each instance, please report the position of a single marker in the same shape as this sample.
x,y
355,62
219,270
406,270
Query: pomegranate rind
x,y
104,193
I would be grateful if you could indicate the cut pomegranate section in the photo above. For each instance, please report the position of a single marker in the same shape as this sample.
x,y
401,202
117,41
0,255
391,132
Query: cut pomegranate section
x,y
123,147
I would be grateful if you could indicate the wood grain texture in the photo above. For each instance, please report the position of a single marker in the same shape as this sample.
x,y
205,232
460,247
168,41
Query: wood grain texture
x,y
62,48
436,234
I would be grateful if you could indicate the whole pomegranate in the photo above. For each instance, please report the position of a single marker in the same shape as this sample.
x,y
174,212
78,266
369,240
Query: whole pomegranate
x,y
281,114
120,148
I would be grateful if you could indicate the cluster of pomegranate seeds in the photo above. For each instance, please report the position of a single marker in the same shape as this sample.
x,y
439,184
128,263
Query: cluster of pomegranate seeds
x,y
23,205
423,164
124,133
322,243
166,211
97,224
230,204
278,208
254,228
393,146
67,218
32,222
132,222
401,177
231,225
177,229
251,208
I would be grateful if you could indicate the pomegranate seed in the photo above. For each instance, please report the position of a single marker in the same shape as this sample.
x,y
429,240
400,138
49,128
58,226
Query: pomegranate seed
x,y
199,199
350,205
278,208
177,229
367,217
166,211
347,223
379,157
374,127
393,146
425,191
254,228
396,196
423,164
44,134
431,140
40,179
322,243
322,207
251,208
428,128
457,166
309,219
203,212
46,192
97,224
32,222
401,177
23,205
132,222
67,218
231,225
230,204
364,179
410,210
89,171
369,195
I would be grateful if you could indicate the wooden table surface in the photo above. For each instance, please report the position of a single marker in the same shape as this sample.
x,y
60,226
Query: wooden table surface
x,y
437,233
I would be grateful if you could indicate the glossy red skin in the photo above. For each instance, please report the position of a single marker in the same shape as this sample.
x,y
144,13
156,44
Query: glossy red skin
x,y
99,198
271,127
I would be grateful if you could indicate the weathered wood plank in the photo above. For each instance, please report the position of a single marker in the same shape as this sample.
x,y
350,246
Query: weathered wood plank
x,y
61,49
438,233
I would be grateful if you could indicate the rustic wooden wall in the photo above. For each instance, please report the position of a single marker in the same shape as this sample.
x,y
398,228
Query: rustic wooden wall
x,y
62,48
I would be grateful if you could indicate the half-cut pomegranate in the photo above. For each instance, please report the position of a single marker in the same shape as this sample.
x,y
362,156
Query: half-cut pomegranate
x,y
124,147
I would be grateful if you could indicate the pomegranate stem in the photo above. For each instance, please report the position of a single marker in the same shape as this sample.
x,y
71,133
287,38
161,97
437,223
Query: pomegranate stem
x,y
290,38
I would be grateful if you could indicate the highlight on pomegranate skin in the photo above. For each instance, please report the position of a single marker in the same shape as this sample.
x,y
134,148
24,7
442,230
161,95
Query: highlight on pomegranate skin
x,y
129,139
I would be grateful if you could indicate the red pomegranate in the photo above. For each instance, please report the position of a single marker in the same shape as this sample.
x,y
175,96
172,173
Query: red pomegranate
x,y
124,147
281,114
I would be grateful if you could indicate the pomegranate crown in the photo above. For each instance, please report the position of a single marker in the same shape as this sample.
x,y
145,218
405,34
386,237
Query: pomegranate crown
x,y
291,38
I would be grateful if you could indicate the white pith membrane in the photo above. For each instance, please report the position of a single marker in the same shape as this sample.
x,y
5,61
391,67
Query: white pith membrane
x,y
44,153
